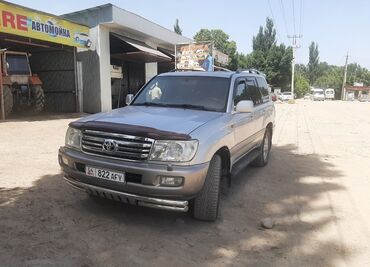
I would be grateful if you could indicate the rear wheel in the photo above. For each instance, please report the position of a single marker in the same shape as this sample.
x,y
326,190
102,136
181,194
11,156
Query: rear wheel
x,y
38,99
8,100
264,150
206,204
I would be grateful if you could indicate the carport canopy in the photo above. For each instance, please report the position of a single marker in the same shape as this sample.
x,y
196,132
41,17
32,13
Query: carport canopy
x,y
130,50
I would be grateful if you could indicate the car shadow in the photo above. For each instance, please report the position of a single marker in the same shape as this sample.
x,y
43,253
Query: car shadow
x,y
51,223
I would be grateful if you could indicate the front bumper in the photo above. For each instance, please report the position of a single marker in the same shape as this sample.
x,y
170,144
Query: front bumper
x,y
142,180
176,205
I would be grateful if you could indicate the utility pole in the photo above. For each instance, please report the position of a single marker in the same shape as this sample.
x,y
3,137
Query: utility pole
x,y
344,79
294,46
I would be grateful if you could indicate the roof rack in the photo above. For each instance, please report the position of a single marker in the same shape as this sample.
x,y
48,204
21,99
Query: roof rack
x,y
178,70
250,71
218,68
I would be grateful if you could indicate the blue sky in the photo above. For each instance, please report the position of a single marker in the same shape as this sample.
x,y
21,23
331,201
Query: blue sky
x,y
337,26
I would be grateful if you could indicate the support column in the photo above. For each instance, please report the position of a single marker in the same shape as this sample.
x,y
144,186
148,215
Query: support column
x,y
151,69
103,50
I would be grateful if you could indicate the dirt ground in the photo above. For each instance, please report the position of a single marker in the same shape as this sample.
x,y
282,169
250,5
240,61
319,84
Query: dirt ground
x,y
316,187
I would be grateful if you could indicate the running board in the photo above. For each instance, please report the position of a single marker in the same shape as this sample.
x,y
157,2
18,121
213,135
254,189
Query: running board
x,y
244,161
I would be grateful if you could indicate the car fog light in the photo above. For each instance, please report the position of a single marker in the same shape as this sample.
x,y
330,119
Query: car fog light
x,y
171,181
65,161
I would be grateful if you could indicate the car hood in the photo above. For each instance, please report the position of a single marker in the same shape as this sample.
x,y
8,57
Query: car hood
x,y
162,118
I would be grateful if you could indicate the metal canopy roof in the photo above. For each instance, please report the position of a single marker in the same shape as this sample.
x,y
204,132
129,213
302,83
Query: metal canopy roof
x,y
139,51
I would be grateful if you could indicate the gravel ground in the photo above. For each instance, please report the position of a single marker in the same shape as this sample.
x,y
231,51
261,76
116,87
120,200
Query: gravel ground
x,y
316,188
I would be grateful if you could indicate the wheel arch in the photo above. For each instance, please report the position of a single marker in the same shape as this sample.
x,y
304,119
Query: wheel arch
x,y
224,153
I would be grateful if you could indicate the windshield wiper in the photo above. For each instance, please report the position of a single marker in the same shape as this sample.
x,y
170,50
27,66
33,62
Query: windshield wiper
x,y
150,104
190,106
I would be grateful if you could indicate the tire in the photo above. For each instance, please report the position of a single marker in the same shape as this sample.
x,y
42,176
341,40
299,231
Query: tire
x,y
8,100
206,204
264,150
38,99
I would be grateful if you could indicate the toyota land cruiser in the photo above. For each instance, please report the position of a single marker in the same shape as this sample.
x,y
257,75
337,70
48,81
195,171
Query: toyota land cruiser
x,y
175,141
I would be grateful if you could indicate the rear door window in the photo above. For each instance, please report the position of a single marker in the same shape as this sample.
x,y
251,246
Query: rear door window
x,y
262,86
254,92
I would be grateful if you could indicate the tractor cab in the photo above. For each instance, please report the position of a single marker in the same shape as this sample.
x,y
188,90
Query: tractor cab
x,y
22,90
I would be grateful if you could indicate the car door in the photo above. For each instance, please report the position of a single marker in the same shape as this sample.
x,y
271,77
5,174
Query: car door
x,y
243,123
265,108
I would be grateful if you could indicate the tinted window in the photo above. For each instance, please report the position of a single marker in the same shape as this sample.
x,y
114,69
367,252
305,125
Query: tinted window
x,y
262,85
209,93
240,91
254,92
246,89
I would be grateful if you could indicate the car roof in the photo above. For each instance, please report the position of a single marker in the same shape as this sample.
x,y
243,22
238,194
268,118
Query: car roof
x,y
220,74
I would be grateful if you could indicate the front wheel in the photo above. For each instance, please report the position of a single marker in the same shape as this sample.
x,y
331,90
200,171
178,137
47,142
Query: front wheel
x,y
206,204
264,150
38,99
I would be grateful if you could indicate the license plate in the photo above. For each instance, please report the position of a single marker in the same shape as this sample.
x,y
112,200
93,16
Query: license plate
x,y
105,174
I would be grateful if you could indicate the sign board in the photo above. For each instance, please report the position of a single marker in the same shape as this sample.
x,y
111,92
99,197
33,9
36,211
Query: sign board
x,y
194,56
28,23
220,57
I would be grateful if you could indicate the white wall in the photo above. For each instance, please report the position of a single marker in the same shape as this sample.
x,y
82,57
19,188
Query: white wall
x,y
151,69
103,50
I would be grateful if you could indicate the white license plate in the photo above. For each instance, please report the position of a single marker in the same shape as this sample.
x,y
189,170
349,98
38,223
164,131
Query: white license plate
x,y
105,174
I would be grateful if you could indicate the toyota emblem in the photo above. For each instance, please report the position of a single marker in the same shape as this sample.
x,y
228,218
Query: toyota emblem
x,y
109,146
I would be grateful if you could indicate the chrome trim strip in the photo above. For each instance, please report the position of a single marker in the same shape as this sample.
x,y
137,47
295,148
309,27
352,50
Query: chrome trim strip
x,y
119,135
175,205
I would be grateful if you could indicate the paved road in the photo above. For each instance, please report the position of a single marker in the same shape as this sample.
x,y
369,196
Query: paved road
x,y
316,187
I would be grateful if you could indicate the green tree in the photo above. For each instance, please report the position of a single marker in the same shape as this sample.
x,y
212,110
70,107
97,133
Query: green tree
x,y
266,37
176,27
332,78
313,63
274,60
301,85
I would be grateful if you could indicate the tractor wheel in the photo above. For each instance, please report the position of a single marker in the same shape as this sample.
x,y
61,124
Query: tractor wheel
x,y
8,100
38,99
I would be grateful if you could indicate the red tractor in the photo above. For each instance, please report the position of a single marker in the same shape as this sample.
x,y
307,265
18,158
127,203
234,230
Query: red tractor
x,y
22,90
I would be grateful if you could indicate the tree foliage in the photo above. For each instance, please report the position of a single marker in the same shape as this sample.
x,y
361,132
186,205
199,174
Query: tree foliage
x,y
176,27
301,85
313,63
274,60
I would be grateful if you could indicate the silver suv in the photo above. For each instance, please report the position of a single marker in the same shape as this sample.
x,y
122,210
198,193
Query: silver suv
x,y
171,147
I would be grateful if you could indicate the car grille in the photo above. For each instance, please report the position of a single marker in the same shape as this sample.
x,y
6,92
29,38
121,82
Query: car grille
x,y
121,146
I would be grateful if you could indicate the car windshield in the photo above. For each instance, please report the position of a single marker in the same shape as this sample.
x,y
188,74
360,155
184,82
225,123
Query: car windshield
x,y
287,93
191,92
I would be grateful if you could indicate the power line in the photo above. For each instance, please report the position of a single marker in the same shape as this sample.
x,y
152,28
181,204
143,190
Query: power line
x,y
294,47
283,11
273,19
293,16
301,17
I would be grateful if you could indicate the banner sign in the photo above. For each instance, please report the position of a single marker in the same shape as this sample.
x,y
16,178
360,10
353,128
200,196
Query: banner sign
x,y
28,23
220,57
194,56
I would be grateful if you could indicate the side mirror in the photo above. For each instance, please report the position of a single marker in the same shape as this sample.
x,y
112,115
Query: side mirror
x,y
129,98
245,106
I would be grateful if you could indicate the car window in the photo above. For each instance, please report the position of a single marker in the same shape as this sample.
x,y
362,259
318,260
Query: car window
x,y
240,91
262,85
246,89
255,94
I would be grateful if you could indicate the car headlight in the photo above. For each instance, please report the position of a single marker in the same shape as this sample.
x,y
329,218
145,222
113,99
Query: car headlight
x,y
177,151
73,138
